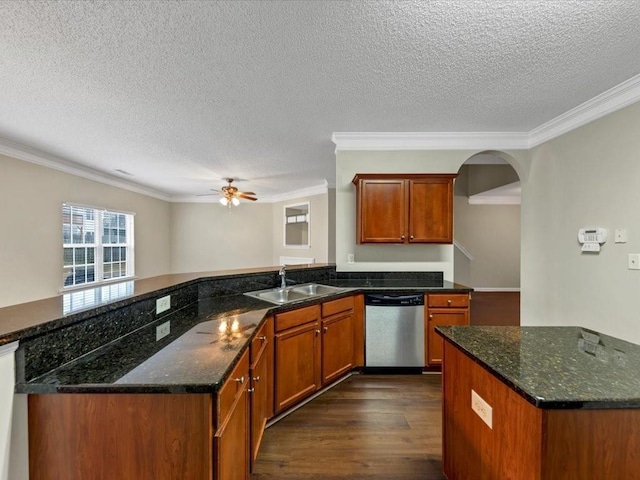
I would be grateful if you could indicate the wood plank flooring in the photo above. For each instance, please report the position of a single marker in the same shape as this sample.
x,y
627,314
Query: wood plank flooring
x,y
368,427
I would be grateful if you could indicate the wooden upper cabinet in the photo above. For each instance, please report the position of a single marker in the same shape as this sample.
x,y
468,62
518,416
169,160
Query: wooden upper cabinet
x,y
382,210
431,210
404,208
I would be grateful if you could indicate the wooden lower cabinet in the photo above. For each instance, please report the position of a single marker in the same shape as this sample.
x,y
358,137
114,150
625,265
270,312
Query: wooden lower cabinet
x,y
297,364
442,310
261,384
337,343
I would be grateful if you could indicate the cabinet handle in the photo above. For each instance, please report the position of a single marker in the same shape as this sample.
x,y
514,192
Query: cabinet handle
x,y
402,237
262,338
239,380
251,390
317,332
411,238
325,329
449,302
430,317
256,379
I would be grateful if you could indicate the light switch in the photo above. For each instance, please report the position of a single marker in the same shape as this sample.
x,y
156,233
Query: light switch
x,y
634,261
620,235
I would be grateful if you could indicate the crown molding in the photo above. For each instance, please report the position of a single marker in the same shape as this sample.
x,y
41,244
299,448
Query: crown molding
x,y
616,98
430,140
38,157
296,194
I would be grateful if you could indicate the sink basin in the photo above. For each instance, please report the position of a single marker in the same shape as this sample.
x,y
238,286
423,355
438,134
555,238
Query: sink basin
x,y
305,291
314,289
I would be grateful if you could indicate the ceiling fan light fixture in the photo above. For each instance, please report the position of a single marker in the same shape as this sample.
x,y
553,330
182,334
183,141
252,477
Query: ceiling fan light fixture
x,y
224,201
235,201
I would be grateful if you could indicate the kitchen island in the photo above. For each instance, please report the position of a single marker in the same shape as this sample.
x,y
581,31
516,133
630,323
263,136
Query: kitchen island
x,y
539,403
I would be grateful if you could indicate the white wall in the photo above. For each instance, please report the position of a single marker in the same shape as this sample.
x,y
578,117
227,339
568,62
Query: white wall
x,y
390,257
587,177
208,236
31,219
318,229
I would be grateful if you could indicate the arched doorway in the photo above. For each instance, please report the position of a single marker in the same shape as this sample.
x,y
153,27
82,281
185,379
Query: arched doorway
x,y
487,236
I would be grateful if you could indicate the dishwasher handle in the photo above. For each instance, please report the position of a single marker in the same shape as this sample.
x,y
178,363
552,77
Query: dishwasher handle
x,y
393,300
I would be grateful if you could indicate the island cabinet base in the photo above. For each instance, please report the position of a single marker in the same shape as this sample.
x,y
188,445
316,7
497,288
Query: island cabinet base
x,y
85,436
525,442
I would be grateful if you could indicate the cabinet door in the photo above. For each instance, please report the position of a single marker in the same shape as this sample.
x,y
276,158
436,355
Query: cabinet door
x,y
431,210
297,364
231,439
259,403
261,384
382,212
437,317
337,347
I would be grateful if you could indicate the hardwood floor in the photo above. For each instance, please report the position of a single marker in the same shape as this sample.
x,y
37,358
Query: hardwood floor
x,y
368,427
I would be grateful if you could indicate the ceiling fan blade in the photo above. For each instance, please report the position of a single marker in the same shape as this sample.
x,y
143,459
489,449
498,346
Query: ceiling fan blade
x,y
246,197
206,194
248,193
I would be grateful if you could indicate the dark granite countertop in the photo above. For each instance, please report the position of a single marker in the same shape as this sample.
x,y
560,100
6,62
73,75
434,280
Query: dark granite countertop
x,y
556,367
399,284
194,358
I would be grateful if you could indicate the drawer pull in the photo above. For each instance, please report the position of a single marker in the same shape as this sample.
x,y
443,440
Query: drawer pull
x,y
239,380
449,302
256,379
430,317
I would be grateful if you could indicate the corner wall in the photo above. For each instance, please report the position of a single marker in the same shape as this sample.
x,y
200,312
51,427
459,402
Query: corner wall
x,y
31,217
589,177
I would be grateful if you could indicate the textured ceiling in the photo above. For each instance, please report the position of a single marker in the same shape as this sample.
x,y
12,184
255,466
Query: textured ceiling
x,y
181,94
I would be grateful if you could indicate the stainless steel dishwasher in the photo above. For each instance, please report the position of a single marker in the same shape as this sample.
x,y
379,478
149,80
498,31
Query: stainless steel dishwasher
x,y
394,330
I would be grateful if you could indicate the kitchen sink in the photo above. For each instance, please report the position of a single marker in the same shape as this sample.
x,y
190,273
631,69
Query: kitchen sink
x,y
294,293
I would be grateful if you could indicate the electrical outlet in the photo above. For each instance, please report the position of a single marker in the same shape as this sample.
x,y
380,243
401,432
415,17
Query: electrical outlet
x,y
634,261
482,409
351,258
163,330
163,304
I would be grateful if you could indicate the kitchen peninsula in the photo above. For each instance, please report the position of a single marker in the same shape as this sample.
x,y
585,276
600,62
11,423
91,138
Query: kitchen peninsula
x,y
182,405
539,403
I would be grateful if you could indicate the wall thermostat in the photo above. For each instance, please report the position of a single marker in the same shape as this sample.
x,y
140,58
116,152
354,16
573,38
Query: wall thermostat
x,y
592,235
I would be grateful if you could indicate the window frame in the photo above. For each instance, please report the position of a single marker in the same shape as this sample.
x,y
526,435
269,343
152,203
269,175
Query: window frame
x,y
98,245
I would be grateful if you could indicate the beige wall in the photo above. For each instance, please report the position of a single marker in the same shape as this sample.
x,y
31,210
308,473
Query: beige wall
x,y
491,234
31,219
390,257
587,177
208,236
318,229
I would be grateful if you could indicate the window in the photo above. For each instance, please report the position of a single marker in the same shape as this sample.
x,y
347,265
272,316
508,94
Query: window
x,y
296,225
97,245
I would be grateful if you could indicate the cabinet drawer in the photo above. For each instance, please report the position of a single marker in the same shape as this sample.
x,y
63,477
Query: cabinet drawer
x,y
297,317
260,341
444,300
233,387
337,306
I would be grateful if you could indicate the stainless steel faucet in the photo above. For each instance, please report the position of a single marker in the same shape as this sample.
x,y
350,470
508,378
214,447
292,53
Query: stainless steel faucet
x,y
283,276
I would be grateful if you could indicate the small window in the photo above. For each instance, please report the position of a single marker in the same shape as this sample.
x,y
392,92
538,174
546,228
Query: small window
x,y
296,226
97,245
